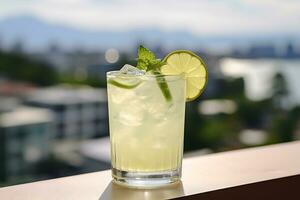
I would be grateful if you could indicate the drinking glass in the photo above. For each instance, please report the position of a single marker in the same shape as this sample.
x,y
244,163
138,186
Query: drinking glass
x,y
146,128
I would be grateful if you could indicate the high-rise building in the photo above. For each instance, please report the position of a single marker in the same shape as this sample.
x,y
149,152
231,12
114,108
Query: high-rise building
x,y
25,139
79,113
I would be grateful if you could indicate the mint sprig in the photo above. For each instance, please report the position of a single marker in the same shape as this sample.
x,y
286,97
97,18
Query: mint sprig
x,y
147,61
145,58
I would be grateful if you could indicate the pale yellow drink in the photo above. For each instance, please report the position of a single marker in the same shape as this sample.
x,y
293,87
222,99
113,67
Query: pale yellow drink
x,y
146,129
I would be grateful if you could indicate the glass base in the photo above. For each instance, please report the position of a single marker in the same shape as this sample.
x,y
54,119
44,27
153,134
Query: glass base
x,y
145,179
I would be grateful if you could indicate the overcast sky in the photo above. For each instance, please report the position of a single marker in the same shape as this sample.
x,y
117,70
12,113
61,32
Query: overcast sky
x,y
197,16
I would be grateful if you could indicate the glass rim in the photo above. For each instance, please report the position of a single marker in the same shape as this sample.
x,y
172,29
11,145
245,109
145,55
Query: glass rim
x,y
117,73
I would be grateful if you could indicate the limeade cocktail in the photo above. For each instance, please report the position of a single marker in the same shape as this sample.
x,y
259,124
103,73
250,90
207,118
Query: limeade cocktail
x,y
146,120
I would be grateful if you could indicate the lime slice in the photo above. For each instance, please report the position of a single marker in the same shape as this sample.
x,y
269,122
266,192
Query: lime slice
x,y
183,61
125,83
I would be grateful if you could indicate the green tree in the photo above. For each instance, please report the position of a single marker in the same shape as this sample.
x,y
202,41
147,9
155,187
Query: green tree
x,y
19,67
279,88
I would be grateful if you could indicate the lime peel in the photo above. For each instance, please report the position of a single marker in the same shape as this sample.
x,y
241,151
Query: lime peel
x,y
187,62
122,85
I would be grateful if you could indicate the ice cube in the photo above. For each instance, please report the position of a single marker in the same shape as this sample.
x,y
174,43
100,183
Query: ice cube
x,y
132,116
121,96
131,70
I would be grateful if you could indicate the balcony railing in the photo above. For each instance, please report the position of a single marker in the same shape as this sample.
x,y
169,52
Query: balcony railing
x,y
269,172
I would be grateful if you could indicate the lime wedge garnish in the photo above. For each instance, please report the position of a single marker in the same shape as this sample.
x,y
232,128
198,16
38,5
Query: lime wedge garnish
x,y
188,63
125,83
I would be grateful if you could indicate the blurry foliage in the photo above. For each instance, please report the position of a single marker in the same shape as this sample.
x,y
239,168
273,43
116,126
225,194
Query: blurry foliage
x,y
230,88
218,132
19,67
284,125
94,79
90,80
16,66
284,122
279,86
279,90
214,132
253,114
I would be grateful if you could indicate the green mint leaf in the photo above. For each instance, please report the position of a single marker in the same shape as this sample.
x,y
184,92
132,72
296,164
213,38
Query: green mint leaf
x,y
142,64
145,58
145,54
